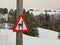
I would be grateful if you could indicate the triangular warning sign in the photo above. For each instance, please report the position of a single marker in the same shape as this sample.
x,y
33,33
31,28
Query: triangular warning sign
x,y
20,25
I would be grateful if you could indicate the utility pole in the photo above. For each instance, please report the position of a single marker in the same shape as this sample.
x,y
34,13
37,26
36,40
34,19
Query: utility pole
x,y
19,7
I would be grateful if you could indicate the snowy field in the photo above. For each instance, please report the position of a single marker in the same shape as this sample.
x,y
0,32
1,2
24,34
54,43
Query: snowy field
x,y
7,37
47,37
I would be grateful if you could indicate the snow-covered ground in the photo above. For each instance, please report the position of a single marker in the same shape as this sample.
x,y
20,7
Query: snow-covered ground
x,y
47,37
7,37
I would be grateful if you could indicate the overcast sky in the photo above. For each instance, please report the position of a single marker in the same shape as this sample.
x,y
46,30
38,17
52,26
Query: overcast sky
x,y
35,4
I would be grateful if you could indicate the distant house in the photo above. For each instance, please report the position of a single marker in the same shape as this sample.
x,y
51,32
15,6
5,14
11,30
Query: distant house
x,y
31,10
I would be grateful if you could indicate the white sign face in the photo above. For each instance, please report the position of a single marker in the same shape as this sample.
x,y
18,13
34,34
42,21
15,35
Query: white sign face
x,y
21,25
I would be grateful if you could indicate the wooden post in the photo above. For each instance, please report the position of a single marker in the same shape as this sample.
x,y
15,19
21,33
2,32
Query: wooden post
x,y
19,40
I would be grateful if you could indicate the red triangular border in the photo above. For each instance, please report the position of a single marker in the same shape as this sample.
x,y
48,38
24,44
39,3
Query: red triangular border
x,y
14,29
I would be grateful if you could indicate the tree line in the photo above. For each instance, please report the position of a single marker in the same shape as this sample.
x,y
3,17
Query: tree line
x,y
29,18
48,21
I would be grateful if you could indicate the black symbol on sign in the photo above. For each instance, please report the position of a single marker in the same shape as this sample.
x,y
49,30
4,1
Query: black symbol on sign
x,y
20,25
